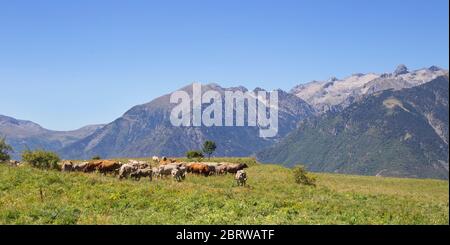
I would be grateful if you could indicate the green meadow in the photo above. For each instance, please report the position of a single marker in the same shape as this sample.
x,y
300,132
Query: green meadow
x,y
33,196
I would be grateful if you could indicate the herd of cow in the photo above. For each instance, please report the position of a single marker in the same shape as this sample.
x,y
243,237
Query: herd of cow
x,y
165,168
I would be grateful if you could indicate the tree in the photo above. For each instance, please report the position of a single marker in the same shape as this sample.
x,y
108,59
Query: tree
x,y
5,149
194,154
209,147
41,159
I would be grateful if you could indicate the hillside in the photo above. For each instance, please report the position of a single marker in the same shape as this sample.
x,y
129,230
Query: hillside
x,y
146,130
22,134
271,198
391,133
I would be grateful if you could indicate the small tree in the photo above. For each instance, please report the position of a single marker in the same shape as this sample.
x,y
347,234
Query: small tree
x,y
5,149
96,157
303,177
209,147
41,159
194,154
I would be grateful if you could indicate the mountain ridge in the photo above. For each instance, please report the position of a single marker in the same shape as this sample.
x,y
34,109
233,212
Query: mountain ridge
x,y
402,133
23,134
145,130
336,94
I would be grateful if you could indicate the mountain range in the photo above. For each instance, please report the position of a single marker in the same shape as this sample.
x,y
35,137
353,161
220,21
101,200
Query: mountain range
x,y
22,134
391,124
336,94
146,130
402,133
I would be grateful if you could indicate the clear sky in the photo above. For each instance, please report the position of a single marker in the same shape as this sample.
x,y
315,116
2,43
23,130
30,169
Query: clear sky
x,y
65,64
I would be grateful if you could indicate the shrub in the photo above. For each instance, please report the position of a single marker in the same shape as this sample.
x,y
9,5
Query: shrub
x,y
194,154
96,157
303,177
5,149
41,159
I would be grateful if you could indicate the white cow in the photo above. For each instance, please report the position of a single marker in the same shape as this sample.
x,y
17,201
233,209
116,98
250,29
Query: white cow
x,y
241,177
176,174
126,169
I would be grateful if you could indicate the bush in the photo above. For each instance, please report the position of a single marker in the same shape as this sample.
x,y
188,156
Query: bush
x,y
96,157
41,159
5,149
194,154
303,177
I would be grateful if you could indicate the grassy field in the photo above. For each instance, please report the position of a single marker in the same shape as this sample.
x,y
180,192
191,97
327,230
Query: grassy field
x,y
272,197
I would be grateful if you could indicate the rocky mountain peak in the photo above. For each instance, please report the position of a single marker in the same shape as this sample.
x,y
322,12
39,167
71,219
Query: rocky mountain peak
x,y
434,68
400,70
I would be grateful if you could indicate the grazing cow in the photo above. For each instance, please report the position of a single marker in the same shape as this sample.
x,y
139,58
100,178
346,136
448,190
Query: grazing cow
x,y
166,170
211,169
13,163
182,169
92,166
139,164
137,174
234,168
199,168
176,174
67,166
80,166
165,161
126,169
241,177
133,162
221,169
143,165
155,172
108,166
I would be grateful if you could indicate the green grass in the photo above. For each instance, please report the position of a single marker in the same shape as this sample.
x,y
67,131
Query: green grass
x,y
272,197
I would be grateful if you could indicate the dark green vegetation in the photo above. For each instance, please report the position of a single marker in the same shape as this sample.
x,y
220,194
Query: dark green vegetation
x,y
5,150
301,176
272,197
194,154
41,159
392,133
96,157
209,147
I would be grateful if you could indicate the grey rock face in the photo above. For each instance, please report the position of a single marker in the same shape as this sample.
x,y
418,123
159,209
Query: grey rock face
x,y
400,70
335,94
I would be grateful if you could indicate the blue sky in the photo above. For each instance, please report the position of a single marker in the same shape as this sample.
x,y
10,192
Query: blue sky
x,y
65,64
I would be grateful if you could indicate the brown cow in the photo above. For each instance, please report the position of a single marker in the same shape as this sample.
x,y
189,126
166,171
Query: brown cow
x,y
165,161
236,167
108,166
198,168
92,166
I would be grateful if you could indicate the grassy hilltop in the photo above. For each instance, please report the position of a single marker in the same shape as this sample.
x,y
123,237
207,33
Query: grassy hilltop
x,y
272,197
